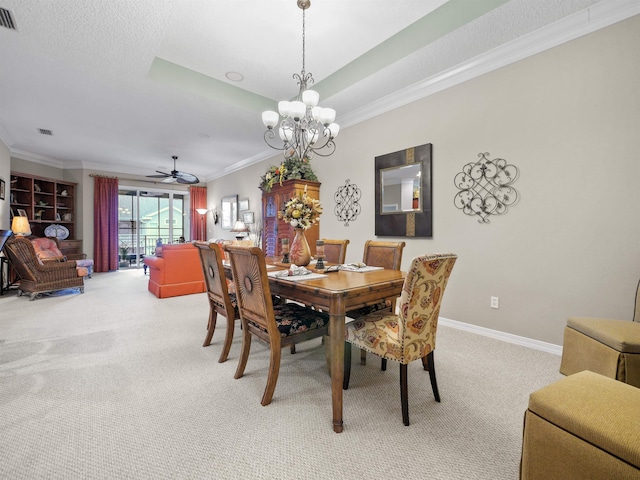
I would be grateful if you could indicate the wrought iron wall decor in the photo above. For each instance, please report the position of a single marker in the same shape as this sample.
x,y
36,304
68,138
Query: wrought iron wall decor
x,y
347,206
485,187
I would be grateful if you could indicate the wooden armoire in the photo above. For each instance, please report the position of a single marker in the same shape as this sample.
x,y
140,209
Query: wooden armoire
x,y
274,229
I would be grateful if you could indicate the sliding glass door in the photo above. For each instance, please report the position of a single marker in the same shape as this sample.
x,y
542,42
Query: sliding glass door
x,y
146,218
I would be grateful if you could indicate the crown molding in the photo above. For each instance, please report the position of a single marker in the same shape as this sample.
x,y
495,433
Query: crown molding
x,y
35,158
581,23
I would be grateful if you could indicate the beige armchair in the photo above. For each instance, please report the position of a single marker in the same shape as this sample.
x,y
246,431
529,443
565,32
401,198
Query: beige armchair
x,y
605,346
583,427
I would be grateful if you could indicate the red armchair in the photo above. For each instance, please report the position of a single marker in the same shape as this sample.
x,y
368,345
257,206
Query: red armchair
x,y
175,270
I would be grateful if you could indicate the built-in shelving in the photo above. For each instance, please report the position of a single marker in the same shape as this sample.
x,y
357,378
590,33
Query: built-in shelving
x,y
45,201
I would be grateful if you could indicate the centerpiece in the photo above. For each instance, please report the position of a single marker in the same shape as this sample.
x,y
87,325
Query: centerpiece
x,y
301,212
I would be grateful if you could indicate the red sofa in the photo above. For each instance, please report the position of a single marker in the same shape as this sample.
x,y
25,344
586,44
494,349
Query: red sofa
x,y
175,270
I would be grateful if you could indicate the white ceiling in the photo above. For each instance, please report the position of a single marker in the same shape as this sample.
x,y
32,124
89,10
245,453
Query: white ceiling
x,y
125,84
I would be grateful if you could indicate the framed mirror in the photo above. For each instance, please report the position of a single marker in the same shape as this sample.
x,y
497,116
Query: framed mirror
x,y
229,211
403,193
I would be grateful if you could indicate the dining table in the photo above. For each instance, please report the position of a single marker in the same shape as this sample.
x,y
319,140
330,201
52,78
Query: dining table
x,y
336,293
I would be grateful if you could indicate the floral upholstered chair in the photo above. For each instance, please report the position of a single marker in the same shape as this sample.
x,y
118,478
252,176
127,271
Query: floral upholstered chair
x,y
220,300
410,335
277,325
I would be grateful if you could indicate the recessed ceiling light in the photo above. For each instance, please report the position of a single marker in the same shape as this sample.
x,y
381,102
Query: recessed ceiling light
x,y
234,76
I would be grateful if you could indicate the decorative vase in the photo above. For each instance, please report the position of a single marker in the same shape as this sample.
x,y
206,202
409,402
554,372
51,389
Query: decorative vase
x,y
299,252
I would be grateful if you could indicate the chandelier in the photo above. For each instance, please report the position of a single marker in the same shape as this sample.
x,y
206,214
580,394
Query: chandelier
x,y
305,128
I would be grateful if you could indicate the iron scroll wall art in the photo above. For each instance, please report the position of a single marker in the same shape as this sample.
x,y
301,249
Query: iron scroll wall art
x,y
347,207
485,187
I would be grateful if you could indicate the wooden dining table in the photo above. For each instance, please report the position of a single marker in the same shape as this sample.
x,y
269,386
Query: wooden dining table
x,y
337,293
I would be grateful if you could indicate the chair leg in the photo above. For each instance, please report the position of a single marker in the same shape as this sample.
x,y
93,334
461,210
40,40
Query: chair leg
x,y
228,340
383,364
272,378
404,394
244,354
363,357
347,366
292,347
432,374
211,326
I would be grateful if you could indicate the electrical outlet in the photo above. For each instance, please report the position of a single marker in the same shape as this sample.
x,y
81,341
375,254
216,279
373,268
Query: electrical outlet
x,y
495,302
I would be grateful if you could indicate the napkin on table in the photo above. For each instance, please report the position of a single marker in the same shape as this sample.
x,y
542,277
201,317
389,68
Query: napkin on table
x,y
293,271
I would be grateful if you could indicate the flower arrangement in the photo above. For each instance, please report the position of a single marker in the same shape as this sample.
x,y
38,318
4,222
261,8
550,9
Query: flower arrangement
x,y
301,211
291,168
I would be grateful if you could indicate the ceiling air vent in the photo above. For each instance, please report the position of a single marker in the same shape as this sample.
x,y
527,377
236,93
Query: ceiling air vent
x,y
44,131
6,20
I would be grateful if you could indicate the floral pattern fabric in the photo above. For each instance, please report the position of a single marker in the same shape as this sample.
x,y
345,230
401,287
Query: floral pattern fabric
x,y
411,334
292,318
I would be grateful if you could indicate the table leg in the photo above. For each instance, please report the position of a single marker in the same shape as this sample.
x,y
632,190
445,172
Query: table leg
x,y
336,335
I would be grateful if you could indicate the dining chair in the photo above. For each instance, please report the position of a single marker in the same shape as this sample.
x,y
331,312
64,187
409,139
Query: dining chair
x,y
220,300
277,325
379,254
335,251
411,333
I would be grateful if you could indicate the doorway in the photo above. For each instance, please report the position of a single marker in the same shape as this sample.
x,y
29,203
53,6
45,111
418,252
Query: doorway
x,y
147,218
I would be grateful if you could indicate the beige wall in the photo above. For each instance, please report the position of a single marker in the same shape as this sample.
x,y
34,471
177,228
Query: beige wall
x,y
568,119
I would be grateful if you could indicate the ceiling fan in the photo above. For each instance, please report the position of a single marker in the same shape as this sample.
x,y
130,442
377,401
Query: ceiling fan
x,y
175,175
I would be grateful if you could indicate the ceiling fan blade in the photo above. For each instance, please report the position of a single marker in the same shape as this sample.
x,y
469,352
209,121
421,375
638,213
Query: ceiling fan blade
x,y
186,178
164,175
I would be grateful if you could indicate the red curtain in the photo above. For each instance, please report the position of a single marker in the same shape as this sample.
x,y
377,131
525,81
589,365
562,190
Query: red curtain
x,y
198,199
105,224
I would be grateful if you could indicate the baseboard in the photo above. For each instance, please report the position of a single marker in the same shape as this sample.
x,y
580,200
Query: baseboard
x,y
505,337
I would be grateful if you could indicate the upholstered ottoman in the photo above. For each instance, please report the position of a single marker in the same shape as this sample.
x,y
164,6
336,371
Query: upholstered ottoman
x,y
605,346
585,426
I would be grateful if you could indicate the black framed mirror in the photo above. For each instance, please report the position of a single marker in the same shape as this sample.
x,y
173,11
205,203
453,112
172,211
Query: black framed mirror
x,y
403,193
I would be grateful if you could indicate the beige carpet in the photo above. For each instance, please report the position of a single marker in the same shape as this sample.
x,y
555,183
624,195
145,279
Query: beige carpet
x,y
114,384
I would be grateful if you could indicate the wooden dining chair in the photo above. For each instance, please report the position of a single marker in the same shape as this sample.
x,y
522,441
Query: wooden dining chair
x,y
277,325
220,300
379,254
335,251
411,334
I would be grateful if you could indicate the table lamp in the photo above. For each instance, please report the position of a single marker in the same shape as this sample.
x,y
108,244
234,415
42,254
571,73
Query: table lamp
x,y
241,229
20,226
